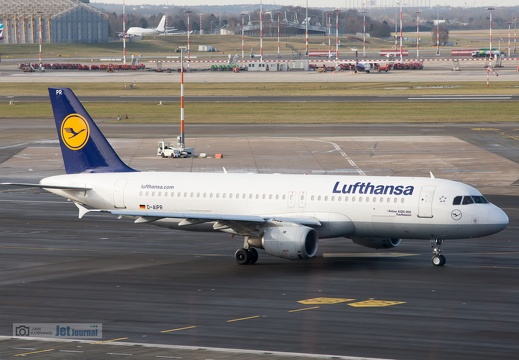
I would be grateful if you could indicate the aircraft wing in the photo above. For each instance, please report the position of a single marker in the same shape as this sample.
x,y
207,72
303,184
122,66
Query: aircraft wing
x,y
235,221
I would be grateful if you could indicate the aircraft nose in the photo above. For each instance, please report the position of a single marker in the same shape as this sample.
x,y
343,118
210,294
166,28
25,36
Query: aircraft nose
x,y
498,218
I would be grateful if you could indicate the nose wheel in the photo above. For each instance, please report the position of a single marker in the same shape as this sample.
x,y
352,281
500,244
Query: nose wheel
x,y
438,259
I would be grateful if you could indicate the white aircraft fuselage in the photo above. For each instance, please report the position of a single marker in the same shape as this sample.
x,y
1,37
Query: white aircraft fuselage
x,y
136,31
285,215
345,206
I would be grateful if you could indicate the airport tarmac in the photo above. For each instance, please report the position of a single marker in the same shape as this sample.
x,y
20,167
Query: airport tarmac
x,y
166,294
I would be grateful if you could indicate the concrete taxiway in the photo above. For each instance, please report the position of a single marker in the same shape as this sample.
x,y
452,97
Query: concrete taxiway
x,y
165,294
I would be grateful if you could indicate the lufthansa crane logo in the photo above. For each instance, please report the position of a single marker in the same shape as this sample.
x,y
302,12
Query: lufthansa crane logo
x,y
75,132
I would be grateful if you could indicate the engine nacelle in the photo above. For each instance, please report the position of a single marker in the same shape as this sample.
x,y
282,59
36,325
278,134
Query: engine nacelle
x,y
377,243
290,242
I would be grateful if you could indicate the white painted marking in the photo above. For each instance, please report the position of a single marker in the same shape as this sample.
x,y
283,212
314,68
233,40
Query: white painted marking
x,y
367,255
192,348
463,98
120,354
343,154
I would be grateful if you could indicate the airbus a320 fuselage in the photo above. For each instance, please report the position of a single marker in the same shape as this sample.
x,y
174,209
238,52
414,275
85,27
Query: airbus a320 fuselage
x,y
285,215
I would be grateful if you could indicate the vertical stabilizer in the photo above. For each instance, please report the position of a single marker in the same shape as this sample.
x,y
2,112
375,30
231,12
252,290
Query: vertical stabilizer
x,y
162,24
83,146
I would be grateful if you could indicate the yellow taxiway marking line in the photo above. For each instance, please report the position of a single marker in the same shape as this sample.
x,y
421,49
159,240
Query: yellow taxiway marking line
x,y
179,329
324,301
245,318
108,341
35,352
304,309
375,303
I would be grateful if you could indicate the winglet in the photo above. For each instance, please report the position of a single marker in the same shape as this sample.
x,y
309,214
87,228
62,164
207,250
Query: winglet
x,y
83,146
432,176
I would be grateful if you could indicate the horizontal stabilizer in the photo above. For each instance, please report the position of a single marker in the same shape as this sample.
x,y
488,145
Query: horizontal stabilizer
x,y
41,186
83,210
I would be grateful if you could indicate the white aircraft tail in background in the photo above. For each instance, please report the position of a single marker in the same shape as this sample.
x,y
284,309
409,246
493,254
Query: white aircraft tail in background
x,y
285,215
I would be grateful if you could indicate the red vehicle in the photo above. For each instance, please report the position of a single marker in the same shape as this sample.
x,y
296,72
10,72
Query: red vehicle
x,y
384,67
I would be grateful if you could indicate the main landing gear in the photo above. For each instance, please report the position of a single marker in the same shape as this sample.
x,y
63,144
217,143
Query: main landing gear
x,y
438,259
246,256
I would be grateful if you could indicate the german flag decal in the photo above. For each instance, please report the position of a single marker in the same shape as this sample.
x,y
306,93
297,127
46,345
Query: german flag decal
x,y
143,207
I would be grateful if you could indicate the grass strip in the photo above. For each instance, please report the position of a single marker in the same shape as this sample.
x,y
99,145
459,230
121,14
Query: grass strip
x,y
268,89
265,113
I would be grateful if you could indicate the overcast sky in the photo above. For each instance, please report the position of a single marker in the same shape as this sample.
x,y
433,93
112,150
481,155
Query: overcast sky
x,y
312,3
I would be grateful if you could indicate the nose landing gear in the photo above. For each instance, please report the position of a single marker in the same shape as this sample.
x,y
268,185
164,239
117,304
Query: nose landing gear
x,y
438,259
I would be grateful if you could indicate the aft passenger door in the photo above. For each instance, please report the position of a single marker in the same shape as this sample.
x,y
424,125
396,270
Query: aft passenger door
x,y
119,193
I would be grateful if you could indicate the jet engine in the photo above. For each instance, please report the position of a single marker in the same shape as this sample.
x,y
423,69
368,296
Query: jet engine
x,y
377,243
290,242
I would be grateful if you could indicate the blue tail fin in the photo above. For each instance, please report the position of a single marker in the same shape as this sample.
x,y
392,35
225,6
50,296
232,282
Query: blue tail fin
x,y
83,146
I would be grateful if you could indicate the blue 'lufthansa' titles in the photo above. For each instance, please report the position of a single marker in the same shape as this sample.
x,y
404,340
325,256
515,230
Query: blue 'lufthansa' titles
x,y
370,189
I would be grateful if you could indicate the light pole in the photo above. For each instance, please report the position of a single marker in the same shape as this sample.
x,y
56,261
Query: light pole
x,y
515,32
401,34
364,11
124,33
336,34
279,55
329,37
396,28
306,27
182,117
188,39
418,33
242,35
437,31
509,23
261,30
490,9
41,35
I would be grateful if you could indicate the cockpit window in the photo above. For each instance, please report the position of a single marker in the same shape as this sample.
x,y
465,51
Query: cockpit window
x,y
479,200
466,200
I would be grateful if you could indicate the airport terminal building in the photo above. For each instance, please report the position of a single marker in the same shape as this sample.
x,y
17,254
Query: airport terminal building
x,y
52,21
